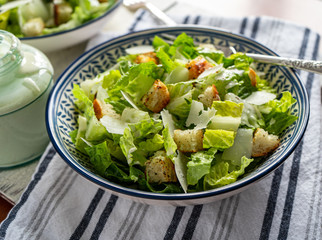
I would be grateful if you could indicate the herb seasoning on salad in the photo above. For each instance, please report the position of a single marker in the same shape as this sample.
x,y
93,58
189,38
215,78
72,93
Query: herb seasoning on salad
x,y
178,117
41,17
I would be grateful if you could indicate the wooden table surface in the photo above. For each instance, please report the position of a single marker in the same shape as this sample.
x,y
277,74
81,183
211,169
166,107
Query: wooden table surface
x,y
308,13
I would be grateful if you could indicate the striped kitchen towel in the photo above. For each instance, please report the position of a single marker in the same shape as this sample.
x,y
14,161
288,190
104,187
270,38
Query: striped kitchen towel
x,y
60,204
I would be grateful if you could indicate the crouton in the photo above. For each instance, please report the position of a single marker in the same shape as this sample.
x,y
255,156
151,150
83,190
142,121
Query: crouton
x,y
147,57
197,66
62,13
101,109
33,27
160,169
157,97
264,143
189,140
210,94
252,76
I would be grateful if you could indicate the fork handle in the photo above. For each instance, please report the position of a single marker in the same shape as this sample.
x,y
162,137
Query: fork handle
x,y
308,65
161,16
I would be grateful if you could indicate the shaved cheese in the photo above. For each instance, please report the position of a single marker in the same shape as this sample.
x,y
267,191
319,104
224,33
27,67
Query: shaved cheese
x,y
260,97
180,166
242,146
139,49
198,116
213,70
167,121
113,125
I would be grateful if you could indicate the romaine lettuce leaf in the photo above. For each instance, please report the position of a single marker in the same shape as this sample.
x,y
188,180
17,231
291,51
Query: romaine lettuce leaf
x,y
83,103
179,74
184,45
136,82
220,176
199,165
111,78
145,128
115,150
179,89
277,114
251,116
239,60
169,144
166,61
219,139
95,131
127,145
212,53
130,151
159,42
152,144
80,144
180,106
100,157
228,108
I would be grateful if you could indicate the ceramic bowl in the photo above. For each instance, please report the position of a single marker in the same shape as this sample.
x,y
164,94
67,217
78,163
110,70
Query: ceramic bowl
x,y
62,115
68,38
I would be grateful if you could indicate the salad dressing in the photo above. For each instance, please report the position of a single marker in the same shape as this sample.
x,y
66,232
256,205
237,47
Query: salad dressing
x,y
25,82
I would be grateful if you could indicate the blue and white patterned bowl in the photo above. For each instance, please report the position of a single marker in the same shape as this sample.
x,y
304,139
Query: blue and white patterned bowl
x,y
61,113
60,40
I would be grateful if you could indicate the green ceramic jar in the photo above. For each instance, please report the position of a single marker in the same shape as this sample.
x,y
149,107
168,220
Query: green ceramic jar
x,y
26,78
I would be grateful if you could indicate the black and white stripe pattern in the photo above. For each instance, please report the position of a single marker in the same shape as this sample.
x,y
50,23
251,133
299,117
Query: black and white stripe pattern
x,y
59,204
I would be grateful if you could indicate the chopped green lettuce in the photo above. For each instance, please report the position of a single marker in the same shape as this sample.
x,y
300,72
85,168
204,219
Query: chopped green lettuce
x,y
277,114
169,144
219,139
199,165
228,108
220,176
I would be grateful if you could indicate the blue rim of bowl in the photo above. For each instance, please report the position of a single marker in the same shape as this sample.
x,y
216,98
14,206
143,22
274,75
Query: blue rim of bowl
x,y
240,184
78,27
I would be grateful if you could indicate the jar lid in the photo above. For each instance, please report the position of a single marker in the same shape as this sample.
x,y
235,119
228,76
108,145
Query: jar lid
x,y
10,49
25,73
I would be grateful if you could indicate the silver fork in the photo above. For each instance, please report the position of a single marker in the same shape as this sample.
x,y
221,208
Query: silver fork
x,y
307,65
133,5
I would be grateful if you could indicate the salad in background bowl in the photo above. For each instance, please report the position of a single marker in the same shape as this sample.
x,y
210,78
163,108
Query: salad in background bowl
x,y
176,123
53,25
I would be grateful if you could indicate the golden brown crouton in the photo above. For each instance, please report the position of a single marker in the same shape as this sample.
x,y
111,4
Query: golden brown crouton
x,y
147,57
102,109
160,169
157,97
210,94
189,140
33,27
197,66
264,143
62,13
252,76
